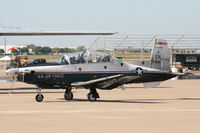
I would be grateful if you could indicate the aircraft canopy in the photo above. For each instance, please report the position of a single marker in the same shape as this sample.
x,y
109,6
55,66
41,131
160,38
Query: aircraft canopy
x,y
84,57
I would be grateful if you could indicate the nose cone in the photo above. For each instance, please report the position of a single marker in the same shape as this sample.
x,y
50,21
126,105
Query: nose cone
x,y
12,71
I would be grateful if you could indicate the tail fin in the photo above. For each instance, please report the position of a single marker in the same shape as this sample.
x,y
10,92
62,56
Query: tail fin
x,y
160,55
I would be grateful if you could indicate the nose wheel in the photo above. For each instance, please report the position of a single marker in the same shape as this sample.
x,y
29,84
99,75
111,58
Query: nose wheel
x,y
39,97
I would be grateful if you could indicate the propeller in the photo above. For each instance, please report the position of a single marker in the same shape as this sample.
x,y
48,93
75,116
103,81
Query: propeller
x,y
11,86
14,73
23,76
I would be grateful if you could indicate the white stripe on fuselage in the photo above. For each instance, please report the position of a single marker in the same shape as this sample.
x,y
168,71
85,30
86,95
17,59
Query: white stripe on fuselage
x,y
107,67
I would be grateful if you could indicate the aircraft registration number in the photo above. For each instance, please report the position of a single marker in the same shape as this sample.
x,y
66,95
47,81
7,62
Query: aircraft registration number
x,y
47,76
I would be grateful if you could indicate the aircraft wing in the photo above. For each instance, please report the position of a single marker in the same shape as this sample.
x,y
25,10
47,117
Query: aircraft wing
x,y
53,33
95,81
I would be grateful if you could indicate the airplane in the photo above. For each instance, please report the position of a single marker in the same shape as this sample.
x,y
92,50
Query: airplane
x,y
94,70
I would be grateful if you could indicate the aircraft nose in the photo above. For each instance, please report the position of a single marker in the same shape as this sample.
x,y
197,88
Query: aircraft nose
x,y
12,71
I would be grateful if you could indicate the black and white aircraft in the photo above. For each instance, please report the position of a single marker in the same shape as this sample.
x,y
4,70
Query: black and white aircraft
x,y
95,70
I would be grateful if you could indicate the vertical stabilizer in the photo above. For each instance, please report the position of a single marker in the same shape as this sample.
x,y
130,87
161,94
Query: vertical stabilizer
x,y
160,55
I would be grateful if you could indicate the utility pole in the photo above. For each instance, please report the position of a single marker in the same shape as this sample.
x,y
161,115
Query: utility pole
x,y
5,42
142,53
4,39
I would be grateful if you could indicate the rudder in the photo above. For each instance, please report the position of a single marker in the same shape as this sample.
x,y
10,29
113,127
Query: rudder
x,y
160,55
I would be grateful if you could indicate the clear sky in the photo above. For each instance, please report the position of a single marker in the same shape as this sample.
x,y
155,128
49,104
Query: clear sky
x,y
123,16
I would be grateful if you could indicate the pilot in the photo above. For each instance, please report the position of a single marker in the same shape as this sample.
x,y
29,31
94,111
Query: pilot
x,y
73,60
106,59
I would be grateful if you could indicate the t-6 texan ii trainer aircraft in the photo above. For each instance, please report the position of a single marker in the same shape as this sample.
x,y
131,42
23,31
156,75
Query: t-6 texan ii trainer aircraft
x,y
94,70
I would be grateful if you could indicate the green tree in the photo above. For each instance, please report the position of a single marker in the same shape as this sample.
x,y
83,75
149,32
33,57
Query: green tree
x,y
66,50
46,50
80,48
71,50
30,46
37,49
24,50
2,51
15,51
55,50
61,50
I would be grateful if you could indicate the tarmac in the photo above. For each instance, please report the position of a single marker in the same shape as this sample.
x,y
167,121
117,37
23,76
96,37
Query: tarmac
x,y
172,107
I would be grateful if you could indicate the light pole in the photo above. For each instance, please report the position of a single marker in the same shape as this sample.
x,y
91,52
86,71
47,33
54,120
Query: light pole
x,y
4,39
5,45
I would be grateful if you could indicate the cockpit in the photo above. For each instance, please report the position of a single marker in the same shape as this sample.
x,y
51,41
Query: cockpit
x,y
84,57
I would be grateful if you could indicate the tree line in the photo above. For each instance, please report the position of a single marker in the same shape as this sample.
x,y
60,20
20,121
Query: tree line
x,y
43,50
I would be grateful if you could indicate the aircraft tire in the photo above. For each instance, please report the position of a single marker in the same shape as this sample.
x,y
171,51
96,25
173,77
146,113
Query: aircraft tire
x,y
91,97
39,98
68,96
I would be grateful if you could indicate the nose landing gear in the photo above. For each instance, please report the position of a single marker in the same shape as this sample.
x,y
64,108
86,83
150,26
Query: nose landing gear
x,y
39,97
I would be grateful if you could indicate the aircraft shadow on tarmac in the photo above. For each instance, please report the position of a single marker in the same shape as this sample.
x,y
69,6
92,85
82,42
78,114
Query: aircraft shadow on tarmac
x,y
145,101
145,88
173,99
107,101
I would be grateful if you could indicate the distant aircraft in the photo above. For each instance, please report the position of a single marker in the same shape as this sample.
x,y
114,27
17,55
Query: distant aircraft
x,y
94,70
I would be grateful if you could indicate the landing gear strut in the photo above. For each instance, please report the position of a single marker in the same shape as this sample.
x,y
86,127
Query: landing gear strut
x,y
93,95
39,97
68,94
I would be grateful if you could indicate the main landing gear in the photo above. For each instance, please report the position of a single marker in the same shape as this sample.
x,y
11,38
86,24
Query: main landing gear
x,y
68,94
39,97
93,95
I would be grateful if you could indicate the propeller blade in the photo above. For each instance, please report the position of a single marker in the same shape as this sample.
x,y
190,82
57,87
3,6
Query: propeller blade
x,y
11,86
23,77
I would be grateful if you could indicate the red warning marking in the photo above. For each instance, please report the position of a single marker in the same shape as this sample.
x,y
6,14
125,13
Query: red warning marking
x,y
161,43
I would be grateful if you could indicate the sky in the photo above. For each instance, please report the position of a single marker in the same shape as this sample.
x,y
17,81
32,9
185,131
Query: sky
x,y
122,16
